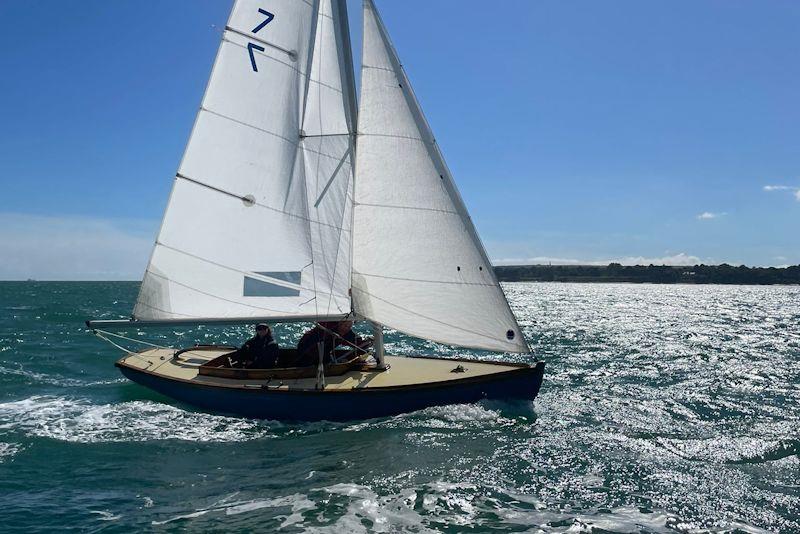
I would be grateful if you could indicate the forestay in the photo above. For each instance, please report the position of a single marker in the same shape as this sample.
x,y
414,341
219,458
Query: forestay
x,y
259,220
418,264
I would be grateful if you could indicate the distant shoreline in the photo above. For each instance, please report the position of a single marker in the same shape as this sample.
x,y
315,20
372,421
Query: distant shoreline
x,y
651,274
723,274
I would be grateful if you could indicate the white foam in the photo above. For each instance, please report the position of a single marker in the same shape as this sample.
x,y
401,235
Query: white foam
x,y
8,450
78,420
52,380
297,503
445,503
179,517
104,515
387,514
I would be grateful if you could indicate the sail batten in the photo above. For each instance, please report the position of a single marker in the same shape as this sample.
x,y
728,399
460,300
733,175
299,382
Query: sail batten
x,y
418,264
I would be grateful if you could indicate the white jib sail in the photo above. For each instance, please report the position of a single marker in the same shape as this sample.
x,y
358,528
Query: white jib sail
x,y
258,222
418,264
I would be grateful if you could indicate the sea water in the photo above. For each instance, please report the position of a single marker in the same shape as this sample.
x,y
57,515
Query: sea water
x,y
664,409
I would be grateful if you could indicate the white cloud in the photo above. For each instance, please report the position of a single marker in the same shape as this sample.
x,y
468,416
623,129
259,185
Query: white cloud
x,y
778,188
707,215
73,248
794,189
675,259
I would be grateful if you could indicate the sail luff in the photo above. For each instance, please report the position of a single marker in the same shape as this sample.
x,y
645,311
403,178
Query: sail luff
x,y
412,231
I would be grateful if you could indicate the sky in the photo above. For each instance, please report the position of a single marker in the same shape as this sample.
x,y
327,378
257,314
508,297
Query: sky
x,y
577,132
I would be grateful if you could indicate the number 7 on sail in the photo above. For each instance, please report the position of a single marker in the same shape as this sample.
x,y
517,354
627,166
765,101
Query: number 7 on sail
x,y
269,18
253,46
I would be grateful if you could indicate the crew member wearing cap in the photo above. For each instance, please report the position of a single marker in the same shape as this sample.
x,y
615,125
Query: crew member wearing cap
x,y
260,351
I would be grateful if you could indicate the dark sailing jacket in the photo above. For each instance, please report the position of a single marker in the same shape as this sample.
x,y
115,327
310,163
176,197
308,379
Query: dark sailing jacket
x,y
307,351
262,351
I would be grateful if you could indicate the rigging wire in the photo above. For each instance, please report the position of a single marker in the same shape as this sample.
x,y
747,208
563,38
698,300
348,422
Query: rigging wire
x,y
103,334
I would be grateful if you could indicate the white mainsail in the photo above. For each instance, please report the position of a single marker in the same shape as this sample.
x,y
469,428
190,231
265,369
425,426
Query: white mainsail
x,y
418,264
259,220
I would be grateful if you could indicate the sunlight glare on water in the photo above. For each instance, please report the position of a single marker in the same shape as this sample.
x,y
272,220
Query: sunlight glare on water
x,y
664,409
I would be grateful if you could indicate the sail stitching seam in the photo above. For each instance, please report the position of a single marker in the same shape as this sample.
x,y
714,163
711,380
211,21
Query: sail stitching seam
x,y
437,210
338,90
294,142
397,136
378,68
449,282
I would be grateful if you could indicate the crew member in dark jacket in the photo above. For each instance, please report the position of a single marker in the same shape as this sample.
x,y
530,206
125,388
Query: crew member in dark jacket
x,y
260,351
332,334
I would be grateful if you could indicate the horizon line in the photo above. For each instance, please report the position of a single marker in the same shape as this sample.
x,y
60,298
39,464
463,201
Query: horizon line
x,y
782,267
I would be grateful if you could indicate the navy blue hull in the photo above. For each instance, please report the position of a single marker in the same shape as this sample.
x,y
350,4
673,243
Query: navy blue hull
x,y
342,405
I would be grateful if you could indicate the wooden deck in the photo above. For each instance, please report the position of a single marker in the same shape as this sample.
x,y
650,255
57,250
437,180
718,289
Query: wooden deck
x,y
402,372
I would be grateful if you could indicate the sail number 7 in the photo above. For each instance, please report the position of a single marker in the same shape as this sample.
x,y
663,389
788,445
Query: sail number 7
x,y
252,46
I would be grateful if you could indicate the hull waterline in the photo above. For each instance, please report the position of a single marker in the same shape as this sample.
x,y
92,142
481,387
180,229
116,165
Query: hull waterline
x,y
340,401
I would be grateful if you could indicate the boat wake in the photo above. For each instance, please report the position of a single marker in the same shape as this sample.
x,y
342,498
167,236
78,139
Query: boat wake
x,y
54,380
350,507
80,421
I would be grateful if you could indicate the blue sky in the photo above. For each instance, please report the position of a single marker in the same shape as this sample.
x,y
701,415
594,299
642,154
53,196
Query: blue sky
x,y
577,131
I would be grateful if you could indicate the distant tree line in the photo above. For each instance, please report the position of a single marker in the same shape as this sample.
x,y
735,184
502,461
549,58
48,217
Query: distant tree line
x,y
653,274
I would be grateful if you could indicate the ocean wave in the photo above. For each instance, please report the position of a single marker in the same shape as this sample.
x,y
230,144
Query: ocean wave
x,y
80,421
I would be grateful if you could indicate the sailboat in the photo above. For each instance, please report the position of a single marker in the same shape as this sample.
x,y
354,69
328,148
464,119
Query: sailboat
x,y
293,203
